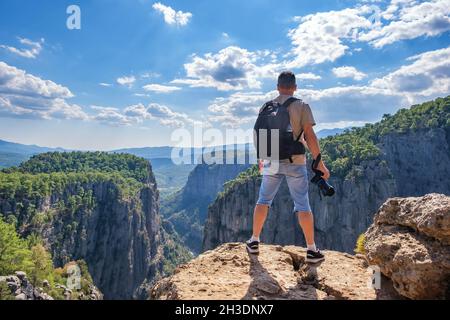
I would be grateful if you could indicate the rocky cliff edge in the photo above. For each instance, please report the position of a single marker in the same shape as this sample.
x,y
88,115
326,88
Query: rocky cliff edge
x,y
230,273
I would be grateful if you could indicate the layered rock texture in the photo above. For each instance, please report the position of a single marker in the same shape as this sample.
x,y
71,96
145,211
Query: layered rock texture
x,y
410,241
229,272
186,211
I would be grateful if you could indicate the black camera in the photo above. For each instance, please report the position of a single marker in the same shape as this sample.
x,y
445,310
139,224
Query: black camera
x,y
325,188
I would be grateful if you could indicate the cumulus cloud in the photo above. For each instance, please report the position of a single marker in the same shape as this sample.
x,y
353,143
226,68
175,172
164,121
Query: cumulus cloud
x,y
425,77
24,95
308,76
158,112
232,68
110,116
353,103
171,16
239,108
321,37
349,72
33,49
326,36
158,88
140,113
410,20
126,81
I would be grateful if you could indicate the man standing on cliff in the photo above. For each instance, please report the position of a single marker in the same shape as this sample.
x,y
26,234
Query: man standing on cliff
x,y
300,121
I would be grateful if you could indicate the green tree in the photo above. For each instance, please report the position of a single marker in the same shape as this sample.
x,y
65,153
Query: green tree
x,y
42,268
14,252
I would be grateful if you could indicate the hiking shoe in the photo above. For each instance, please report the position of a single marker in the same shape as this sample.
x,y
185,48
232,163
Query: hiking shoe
x,y
314,256
252,247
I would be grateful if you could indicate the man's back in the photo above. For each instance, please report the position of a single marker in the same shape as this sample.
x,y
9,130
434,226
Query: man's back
x,y
300,114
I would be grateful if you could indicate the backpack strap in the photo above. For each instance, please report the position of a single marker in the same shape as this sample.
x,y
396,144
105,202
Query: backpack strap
x,y
289,101
265,106
286,104
271,103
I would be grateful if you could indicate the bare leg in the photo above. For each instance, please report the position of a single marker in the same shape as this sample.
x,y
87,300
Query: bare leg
x,y
259,217
306,220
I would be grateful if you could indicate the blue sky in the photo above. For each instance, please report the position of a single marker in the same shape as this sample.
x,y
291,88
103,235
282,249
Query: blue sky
x,y
138,69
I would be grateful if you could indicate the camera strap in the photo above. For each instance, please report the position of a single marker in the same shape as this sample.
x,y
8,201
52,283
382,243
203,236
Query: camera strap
x,y
318,173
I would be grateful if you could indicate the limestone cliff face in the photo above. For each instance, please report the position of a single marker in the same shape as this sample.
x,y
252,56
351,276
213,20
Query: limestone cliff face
x,y
187,210
419,161
206,181
338,220
404,168
118,236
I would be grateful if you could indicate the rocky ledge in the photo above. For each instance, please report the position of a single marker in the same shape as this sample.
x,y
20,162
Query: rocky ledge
x,y
230,273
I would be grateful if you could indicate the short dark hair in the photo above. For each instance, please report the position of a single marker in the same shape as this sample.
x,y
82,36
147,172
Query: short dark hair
x,y
286,79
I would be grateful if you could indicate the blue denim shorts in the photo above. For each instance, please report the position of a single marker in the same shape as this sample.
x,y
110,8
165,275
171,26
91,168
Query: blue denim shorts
x,y
297,180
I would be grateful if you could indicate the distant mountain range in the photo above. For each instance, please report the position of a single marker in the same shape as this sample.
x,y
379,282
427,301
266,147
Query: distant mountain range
x,y
170,177
330,132
12,154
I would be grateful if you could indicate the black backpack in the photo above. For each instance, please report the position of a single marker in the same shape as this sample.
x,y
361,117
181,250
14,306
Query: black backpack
x,y
275,116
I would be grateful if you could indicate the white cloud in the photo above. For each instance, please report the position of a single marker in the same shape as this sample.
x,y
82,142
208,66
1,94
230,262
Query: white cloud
x,y
35,48
308,76
158,112
126,81
26,96
239,108
426,77
320,37
410,20
104,84
232,68
349,72
158,88
171,16
148,75
326,36
110,116
140,113
352,103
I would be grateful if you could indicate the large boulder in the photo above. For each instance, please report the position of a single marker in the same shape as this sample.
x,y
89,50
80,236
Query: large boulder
x,y
410,242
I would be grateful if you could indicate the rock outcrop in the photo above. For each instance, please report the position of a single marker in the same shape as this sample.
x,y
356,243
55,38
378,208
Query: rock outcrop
x,y
229,272
18,287
410,242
